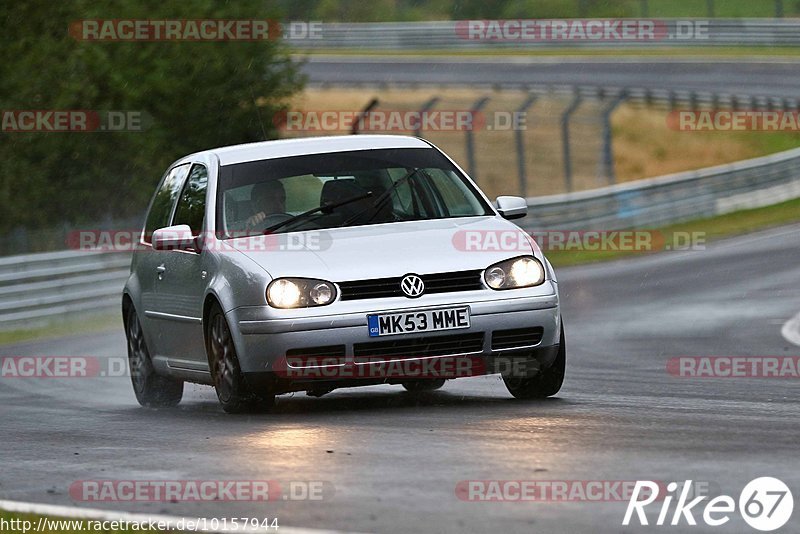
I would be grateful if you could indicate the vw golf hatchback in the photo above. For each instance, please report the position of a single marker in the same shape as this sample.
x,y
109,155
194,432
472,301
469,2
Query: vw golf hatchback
x,y
320,263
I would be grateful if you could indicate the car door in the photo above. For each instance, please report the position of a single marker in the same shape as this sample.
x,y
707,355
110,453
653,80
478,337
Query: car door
x,y
151,262
184,276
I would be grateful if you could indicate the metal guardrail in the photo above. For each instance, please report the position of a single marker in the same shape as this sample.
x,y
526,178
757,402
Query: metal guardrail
x,y
655,202
35,287
40,286
451,35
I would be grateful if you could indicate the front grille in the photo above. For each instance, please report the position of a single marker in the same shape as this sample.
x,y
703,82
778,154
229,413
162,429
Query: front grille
x,y
421,347
313,356
390,287
517,337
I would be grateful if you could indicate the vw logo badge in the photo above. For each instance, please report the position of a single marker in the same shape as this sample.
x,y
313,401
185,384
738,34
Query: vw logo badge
x,y
412,286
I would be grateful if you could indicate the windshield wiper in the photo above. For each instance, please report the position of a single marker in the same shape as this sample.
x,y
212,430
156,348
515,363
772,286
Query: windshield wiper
x,y
325,208
382,197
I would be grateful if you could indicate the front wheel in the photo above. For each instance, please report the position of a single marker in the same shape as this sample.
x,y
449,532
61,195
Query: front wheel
x,y
546,382
151,389
233,392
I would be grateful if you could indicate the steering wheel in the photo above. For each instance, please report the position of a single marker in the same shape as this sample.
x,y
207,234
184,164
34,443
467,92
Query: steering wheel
x,y
270,220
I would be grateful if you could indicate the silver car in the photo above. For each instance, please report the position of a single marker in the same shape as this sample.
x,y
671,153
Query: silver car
x,y
320,263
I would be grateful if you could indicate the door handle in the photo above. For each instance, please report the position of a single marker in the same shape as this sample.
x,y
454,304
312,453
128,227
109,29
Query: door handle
x,y
160,270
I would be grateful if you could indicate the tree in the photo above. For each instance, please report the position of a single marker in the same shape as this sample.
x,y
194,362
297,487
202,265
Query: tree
x,y
192,96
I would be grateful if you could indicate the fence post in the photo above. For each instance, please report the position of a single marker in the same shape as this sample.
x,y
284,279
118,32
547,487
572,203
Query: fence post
x,y
476,107
608,149
426,107
519,135
357,123
576,101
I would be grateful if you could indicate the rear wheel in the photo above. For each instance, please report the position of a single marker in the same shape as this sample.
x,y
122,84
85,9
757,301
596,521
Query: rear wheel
x,y
151,389
233,391
415,386
546,382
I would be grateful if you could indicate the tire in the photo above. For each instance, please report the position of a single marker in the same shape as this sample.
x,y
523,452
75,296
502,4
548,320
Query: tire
x,y
416,386
233,392
545,383
152,390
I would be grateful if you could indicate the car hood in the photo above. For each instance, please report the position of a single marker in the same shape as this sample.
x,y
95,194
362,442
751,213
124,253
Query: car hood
x,y
388,250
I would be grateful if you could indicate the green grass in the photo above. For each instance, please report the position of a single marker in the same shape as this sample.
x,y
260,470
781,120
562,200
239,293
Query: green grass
x,y
63,326
722,8
732,224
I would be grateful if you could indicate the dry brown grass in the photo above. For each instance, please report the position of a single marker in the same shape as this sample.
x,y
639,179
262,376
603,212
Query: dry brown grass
x,y
643,144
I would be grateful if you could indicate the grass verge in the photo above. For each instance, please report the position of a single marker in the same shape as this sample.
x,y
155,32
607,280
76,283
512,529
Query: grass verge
x,y
712,228
644,142
60,327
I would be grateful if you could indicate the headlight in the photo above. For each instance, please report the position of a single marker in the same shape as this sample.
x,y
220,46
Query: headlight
x,y
299,293
518,272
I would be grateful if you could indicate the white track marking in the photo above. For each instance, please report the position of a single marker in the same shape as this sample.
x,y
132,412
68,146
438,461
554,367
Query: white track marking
x,y
791,330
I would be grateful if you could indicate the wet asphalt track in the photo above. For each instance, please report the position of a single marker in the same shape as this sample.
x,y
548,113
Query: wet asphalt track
x,y
394,459
760,77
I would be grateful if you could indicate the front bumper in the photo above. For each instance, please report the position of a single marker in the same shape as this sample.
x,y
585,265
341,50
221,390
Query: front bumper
x,y
263,340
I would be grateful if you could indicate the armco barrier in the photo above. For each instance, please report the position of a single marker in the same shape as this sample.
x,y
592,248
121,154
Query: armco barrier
x,y
663,200
450,35
35,287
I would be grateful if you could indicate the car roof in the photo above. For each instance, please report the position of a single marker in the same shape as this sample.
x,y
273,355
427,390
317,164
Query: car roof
x,y
231,155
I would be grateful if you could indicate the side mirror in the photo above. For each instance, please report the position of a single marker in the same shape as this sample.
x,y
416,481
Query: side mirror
x,y
512,207
177,237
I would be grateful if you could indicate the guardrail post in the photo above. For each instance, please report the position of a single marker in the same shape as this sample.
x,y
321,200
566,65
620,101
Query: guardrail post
x,y
779,9
576,102
426,107
357,123
519,135
476,108
608,149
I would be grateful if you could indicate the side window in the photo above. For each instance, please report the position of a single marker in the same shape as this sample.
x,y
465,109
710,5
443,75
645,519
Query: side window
x,y
192,204
161,209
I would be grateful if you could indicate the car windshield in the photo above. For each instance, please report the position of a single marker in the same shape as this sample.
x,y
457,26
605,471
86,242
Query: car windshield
x,y
342,189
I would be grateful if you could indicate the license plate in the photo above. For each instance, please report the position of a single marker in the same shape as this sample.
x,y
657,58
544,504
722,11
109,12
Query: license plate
x,y
392,324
